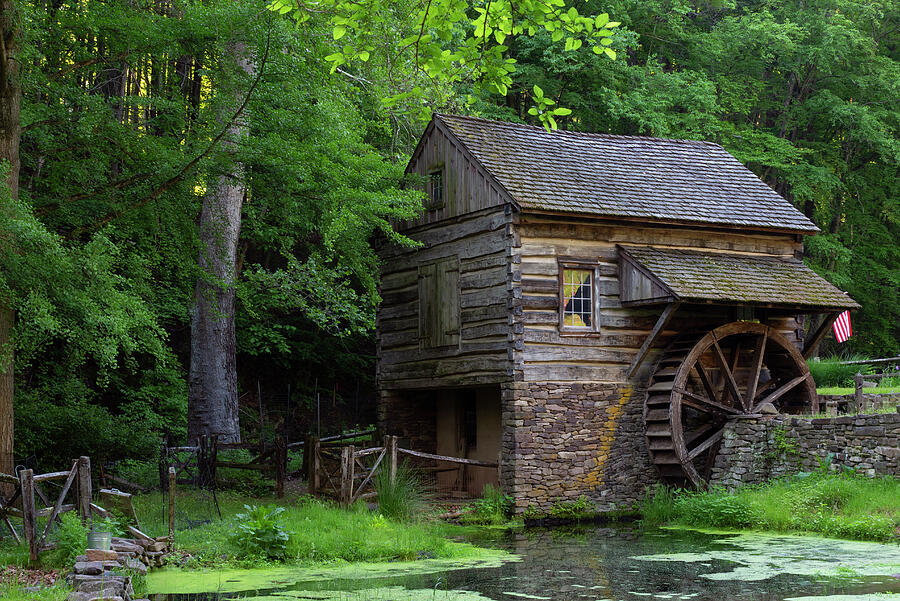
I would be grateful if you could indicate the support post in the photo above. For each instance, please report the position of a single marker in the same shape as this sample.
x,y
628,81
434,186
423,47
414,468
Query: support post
x,y
348,461
312,477
171,503
280,459
392,457
29,517
813,343
858,393
85,493
661,323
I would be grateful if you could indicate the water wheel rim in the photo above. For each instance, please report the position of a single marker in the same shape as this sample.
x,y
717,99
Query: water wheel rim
x,y
710,340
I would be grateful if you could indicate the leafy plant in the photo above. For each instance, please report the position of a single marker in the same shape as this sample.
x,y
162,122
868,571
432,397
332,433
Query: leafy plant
x,y
571,509
402,498
494,507
71,540
259,532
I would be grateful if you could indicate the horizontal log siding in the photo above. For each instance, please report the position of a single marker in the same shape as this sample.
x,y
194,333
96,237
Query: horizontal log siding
x,y
467,187
546,354
482,242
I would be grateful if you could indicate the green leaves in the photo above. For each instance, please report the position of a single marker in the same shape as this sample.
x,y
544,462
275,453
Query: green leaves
x,y
446,42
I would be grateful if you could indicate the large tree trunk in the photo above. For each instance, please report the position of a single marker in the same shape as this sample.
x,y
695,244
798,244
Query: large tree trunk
x,y
10,131
212,394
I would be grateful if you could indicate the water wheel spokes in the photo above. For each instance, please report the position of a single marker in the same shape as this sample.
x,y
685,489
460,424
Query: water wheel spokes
x,y
704,380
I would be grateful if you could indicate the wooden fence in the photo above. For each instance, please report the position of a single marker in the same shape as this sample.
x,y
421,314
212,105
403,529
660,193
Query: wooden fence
x,y
334,470
23,505
198,464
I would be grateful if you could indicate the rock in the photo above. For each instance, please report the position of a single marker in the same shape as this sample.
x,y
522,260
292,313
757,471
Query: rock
x,y
768,409
136,566
101,555
868,384
89,568
102,586
77,596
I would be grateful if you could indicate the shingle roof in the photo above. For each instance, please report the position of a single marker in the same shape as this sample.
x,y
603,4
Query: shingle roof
x,y
624,176
746,279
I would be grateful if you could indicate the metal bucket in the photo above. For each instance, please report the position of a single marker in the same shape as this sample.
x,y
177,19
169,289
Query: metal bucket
x,y
99,540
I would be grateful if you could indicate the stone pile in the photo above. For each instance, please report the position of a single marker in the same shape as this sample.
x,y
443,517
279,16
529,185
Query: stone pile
x,y
101,575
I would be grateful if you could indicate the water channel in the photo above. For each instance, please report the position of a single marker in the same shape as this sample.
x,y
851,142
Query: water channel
x,y
585,564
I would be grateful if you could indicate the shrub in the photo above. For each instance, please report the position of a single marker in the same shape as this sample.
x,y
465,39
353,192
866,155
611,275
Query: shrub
x,y
71,540
493,507
831,372
402,499
259,532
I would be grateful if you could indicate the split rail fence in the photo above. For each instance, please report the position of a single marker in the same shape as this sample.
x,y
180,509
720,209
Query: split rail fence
x,y
348,473
198,464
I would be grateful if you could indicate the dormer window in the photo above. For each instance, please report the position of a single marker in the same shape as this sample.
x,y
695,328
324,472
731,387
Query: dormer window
x,y
435,189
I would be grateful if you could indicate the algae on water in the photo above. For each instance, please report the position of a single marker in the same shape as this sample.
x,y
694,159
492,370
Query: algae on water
x,y
174,580
388,593
760,557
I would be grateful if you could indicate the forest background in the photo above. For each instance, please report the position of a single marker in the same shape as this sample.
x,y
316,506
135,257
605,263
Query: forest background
x,y
124,107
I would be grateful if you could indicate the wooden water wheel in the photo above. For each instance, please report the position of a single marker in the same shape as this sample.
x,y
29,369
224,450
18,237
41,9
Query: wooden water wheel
x,y
701,381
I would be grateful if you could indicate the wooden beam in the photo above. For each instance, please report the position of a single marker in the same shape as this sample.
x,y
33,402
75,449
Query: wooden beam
x,y
85,493
59,502
450,459
661,323
813,342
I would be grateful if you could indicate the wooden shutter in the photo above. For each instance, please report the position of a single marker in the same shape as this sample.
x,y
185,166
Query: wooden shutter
x,y
439,303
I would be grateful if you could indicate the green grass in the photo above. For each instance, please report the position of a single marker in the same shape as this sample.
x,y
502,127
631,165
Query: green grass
x,y
16,592
319,531
835,505
832,372
845,390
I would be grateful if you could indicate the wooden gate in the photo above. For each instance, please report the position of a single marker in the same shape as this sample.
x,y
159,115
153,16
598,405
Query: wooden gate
x,y
28,486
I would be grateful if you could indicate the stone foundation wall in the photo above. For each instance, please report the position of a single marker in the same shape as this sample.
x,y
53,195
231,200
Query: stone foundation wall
x,y
565,440
755,449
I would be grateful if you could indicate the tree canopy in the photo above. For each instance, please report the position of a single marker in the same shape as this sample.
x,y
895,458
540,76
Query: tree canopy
x,y
121,124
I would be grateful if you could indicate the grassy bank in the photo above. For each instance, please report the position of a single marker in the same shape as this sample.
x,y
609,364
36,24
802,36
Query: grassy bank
x,y
315,532
835,505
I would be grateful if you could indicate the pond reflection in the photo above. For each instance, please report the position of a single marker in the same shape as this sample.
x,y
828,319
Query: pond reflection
x,y
627,563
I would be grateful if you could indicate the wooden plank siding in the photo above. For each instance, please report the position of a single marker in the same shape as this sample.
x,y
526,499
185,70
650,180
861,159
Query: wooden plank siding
x,y
481,351
467,187
544,353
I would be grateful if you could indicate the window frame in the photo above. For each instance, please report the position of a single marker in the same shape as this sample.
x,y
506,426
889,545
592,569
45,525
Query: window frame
x,y
438,170
578,264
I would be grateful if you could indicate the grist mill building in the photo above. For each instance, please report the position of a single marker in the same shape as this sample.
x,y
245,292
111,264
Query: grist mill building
x,y
590,310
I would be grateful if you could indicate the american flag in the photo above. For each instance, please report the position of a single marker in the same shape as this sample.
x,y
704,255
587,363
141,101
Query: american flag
x,y
842,329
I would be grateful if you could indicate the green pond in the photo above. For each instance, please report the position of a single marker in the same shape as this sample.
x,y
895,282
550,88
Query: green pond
x,y
595,563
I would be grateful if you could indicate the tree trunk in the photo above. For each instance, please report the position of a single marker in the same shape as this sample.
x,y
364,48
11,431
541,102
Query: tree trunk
x,y
10,131
212,393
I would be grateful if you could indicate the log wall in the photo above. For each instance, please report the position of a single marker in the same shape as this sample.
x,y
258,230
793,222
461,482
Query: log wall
x,y
548,354
482,351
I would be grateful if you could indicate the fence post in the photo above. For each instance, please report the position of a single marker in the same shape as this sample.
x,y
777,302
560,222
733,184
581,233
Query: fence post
x,y
392,456
348,461
29,518
85,493
280,465
171,503
312,464
860,403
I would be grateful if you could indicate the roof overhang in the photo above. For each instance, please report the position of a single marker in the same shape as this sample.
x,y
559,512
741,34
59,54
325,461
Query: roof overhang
x,y
650,275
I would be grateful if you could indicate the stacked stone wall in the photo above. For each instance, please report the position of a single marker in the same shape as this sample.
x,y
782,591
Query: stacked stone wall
x,y
755,449
564,440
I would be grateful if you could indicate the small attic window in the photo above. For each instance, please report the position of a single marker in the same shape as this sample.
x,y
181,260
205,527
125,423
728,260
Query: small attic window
x,y
435,189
